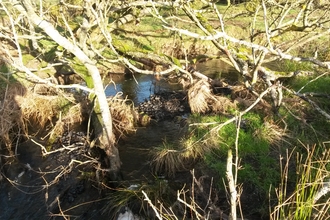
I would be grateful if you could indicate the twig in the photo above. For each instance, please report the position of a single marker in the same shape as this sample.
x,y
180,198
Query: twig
x,y
152,205
59,206
266,23
198,216
246,110
304,97
276,52
45,152
325,189
231,184
316,78
220,125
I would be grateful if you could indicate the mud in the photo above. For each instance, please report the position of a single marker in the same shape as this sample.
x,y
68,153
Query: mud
x,y
47,187
70,181
165,105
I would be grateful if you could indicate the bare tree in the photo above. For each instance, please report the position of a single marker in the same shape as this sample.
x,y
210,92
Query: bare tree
x,y
102,119
94,34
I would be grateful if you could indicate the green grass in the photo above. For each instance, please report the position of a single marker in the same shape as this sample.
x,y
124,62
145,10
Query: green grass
x,y
259,170
311,171
320,85
290,66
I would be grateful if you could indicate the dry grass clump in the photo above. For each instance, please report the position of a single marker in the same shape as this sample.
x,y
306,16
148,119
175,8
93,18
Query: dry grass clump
x,y
222,104
199,96
11,122
272,133
172,157
42,110
76,114
38,110
202,99
166,159
24,111
194,149
47,110
72,118
123,115
43,89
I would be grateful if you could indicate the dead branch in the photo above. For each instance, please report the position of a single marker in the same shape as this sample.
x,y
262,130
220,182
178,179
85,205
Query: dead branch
x,y
259,98
232,185
312,103
276,52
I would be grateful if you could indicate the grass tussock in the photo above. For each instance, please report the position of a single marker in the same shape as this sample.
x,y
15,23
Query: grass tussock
x,y
45,110
272,133
199,95
132,197
167,159
38,109
202,100
119,199
170,158
123,115
50,111
74,116
222,104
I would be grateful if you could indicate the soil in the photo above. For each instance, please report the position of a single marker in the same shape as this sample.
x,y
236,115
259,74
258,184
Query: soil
x,y
37,187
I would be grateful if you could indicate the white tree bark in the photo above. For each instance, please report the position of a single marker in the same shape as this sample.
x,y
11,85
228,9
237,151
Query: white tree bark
x,y
232,187
106,135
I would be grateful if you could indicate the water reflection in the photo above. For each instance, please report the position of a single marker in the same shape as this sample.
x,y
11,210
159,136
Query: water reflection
x,y
139,88
218,69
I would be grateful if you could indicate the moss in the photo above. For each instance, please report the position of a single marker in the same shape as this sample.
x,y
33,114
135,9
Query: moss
x,y
4,68
82,71
27,58
86,175
47,44
64,105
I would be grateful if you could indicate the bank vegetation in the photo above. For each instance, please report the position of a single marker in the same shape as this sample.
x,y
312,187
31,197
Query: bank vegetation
x,y
269,127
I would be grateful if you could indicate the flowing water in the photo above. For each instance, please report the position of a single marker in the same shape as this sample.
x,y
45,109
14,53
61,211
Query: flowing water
x,y
26,187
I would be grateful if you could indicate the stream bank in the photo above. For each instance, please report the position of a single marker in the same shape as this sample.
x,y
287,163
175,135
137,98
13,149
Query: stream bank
x,y
73,182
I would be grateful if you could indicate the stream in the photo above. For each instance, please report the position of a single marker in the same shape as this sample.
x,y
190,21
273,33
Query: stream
x,y
47,187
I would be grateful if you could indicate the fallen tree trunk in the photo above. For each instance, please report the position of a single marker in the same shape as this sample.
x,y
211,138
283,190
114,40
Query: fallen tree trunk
x,y
102,118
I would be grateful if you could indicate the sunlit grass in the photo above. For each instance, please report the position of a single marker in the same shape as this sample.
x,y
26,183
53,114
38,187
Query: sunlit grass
x,y
309,199
309,84
272,134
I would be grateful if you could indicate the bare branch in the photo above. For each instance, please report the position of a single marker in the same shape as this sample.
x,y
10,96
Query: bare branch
x,y
312,103
231,184
152,205
277,52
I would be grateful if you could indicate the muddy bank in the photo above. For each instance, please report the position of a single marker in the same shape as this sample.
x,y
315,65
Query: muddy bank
x,y
73,181
70,179
47,187
165,105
